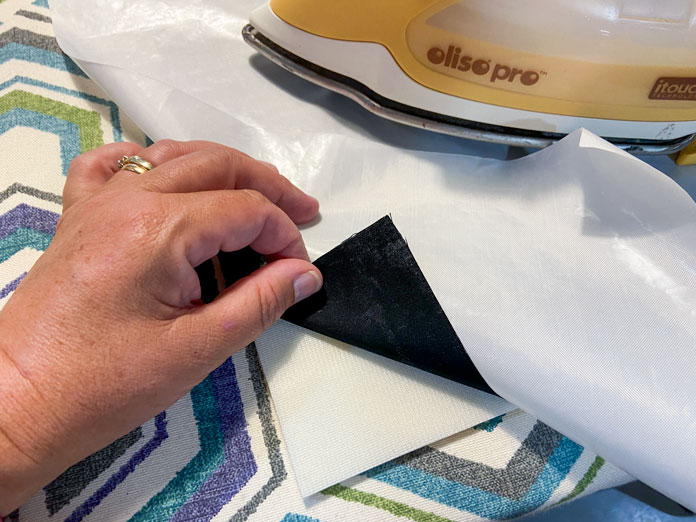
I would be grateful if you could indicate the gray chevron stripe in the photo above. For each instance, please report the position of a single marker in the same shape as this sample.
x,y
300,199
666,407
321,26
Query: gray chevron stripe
x,y
270,438
71,482
24,37
30,191
34,16
513,482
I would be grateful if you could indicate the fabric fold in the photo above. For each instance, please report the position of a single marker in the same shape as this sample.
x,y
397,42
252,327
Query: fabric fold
x,y
375,297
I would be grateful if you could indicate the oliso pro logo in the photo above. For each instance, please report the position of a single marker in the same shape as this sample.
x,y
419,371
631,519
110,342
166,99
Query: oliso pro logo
x,y
453,59
674,89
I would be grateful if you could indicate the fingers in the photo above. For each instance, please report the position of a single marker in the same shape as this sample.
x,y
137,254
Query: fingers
x,y
247,308
224,168
166,150
89,171
208,222
203,166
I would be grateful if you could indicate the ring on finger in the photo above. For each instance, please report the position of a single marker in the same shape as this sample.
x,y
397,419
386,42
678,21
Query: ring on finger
x,y
135,164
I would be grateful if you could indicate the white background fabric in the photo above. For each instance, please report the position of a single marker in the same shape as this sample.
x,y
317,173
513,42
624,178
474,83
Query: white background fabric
x,y
344,410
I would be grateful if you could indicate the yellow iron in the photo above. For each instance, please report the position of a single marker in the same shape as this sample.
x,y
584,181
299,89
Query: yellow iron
x,y
520,73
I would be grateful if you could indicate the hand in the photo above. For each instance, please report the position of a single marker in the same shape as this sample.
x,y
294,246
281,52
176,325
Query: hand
x,y
107,329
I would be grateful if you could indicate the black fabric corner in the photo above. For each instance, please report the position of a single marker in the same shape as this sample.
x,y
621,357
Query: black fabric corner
x,y
206,277
376,297
233,265
239,264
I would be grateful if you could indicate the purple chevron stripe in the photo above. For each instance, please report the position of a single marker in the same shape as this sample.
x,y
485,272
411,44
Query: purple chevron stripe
x,y
125,470
239,464
7,290
24,215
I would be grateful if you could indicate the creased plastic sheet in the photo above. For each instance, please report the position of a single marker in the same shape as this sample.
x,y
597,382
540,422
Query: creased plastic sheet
x,y
569,275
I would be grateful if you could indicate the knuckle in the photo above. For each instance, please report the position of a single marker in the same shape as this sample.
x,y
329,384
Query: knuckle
x,y
286,186
271,302
81,162
60,221
67,195
141,221
232,160
268,166
253,197
223,157
166,148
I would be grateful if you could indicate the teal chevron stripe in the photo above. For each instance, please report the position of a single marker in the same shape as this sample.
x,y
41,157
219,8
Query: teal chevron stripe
x,y
489,425
68,133
475,500
15,51
113,108
40,3
23,238
88,122
294,517
190,478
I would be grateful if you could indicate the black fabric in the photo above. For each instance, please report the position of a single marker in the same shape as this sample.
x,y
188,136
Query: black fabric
x,y
206,276
234,266
376,297
239,264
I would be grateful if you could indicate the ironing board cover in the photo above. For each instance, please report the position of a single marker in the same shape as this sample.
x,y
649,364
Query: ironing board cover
x,y
218,453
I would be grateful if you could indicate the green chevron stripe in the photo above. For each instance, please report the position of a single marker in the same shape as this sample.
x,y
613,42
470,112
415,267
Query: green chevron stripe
x,y
23,238
395,508
88,122
586,480
190,478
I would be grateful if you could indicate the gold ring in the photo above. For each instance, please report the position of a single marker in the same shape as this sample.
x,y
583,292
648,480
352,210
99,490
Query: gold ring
x,y
135,164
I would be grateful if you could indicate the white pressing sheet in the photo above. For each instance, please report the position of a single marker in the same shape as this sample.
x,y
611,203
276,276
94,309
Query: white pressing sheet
x,y
569,275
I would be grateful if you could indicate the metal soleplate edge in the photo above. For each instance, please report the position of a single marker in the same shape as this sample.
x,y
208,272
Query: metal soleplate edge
x,y
432,121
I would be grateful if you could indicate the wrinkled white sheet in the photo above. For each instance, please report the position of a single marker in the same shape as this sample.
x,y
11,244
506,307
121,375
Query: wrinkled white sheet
x,y
569,275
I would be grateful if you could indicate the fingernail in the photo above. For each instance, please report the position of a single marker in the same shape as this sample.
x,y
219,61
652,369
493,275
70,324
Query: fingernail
x,y
306,284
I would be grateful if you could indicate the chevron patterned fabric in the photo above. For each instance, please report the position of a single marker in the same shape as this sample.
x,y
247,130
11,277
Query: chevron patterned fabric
x,y
218,453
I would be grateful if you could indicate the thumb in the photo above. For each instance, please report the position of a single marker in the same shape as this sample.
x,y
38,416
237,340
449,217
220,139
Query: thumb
x,y
250,306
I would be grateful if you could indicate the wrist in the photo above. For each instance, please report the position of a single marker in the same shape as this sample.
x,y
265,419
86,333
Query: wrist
x,y
21,469
14,461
